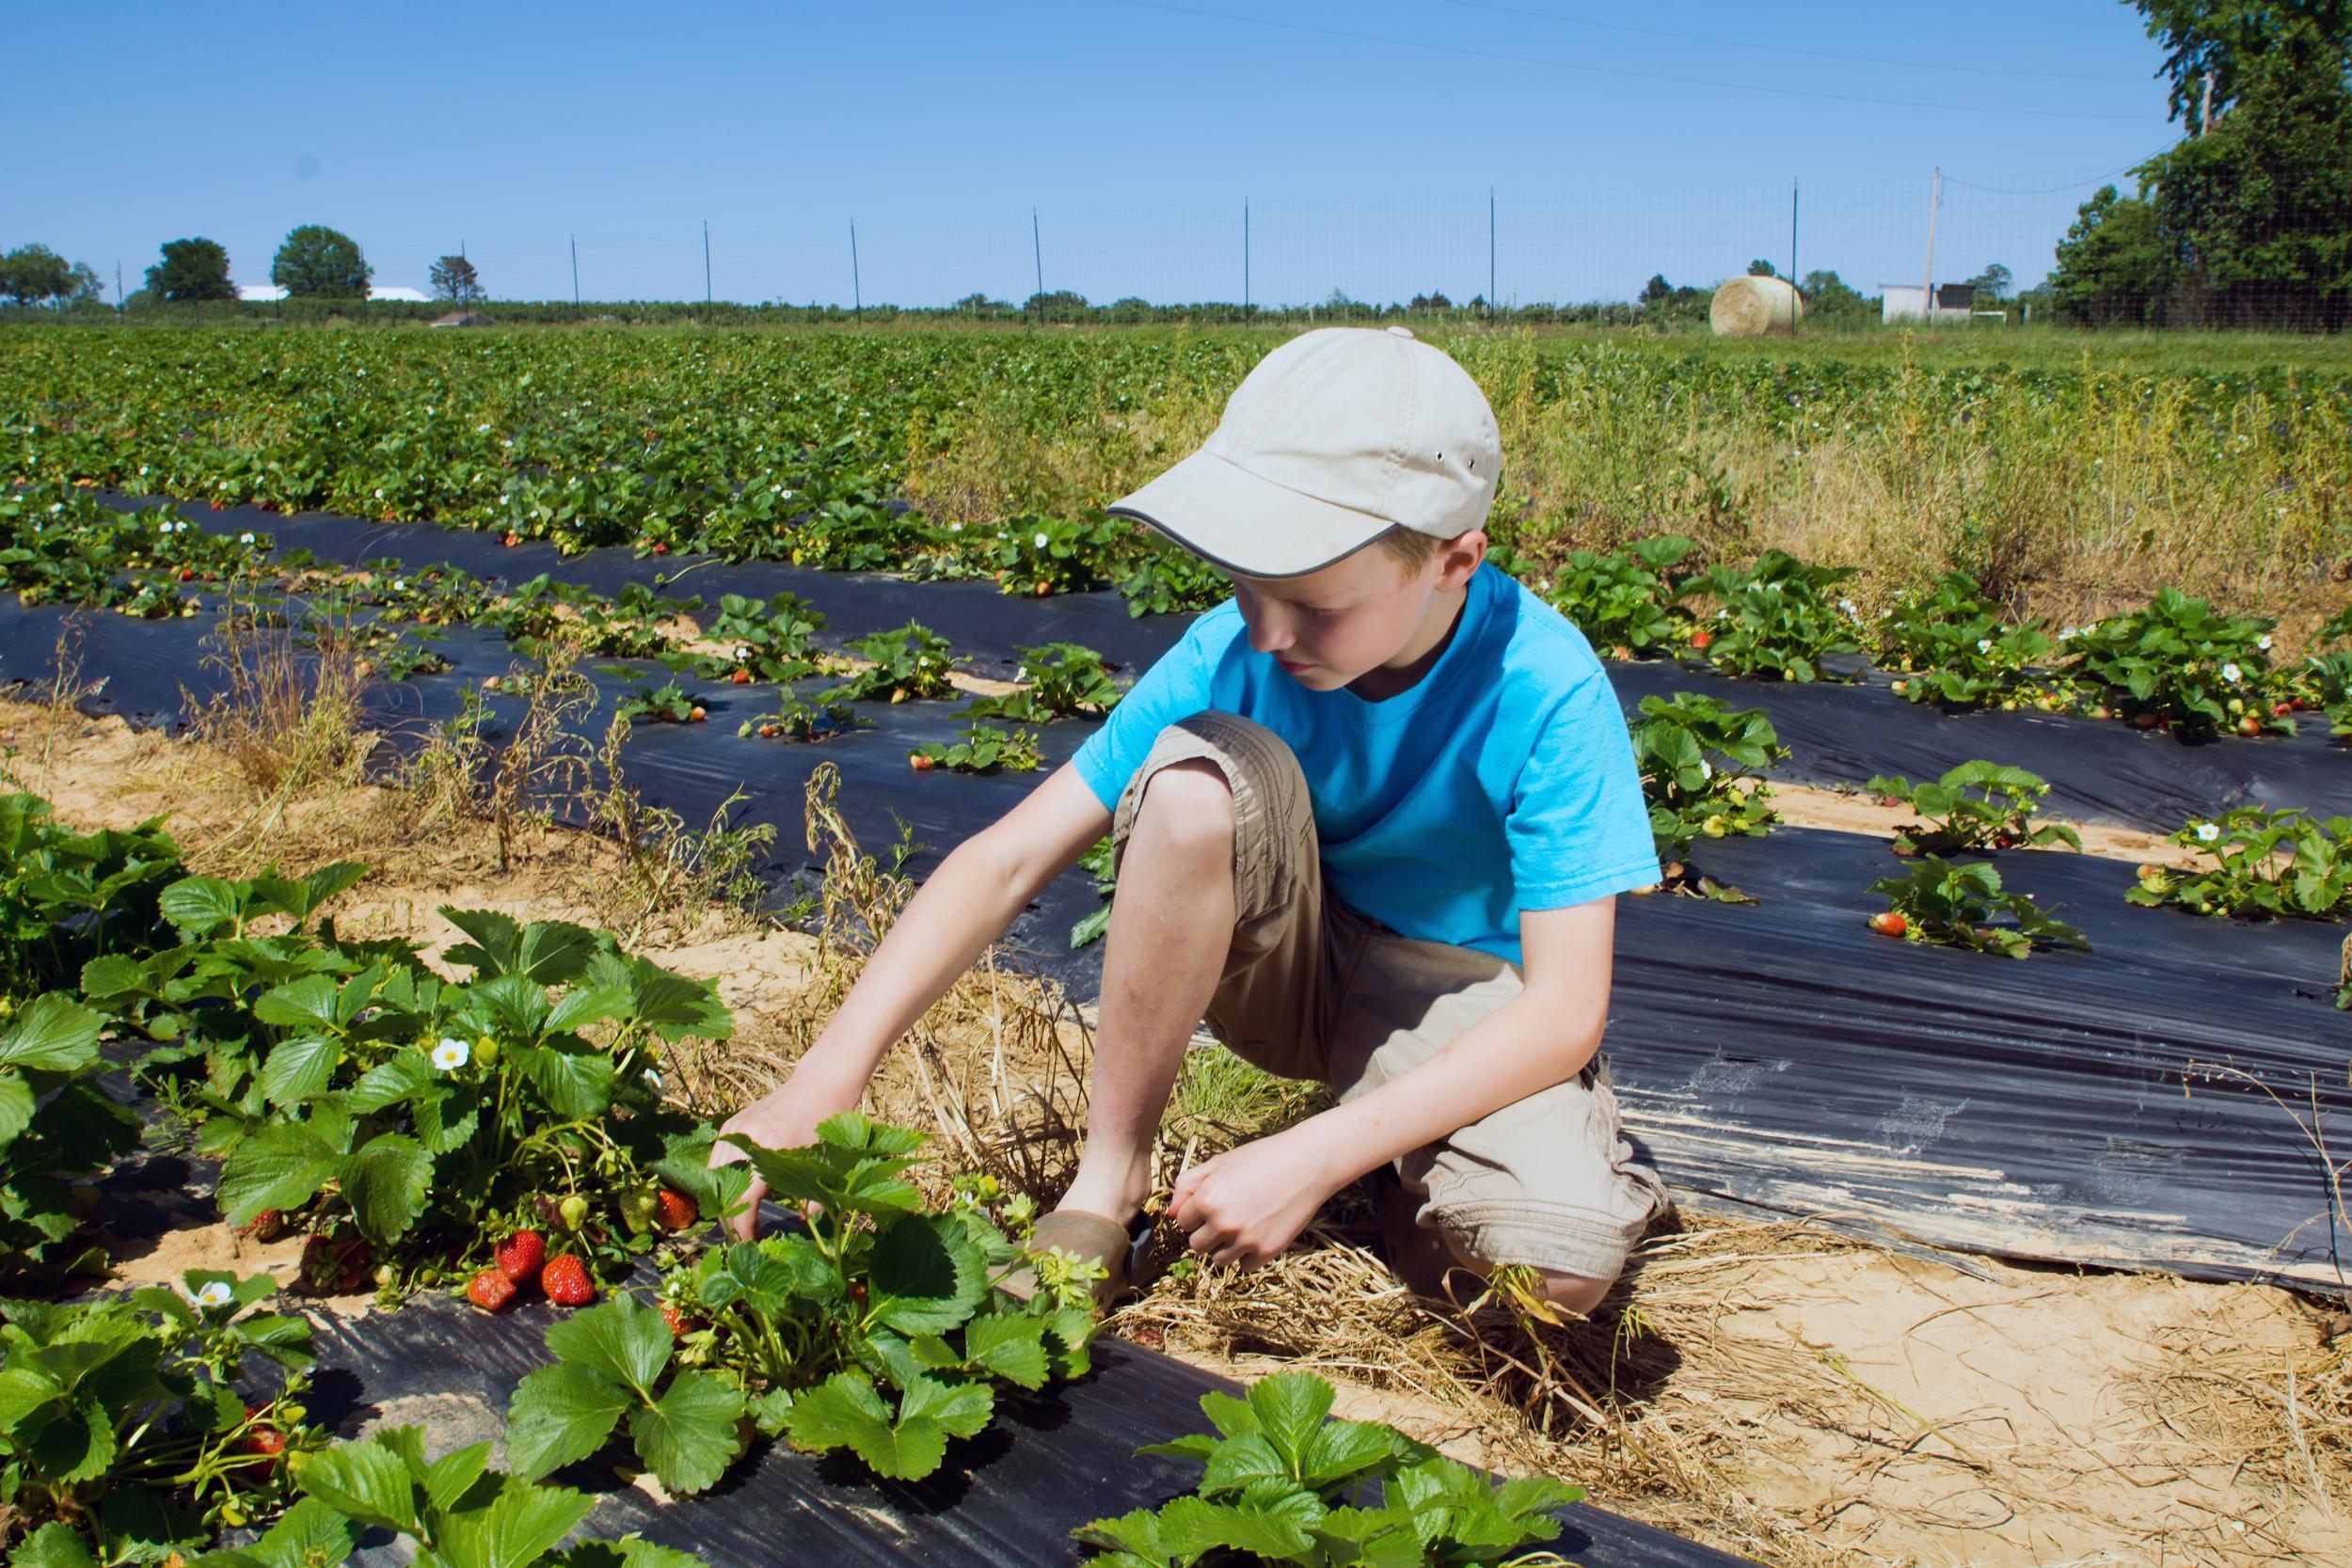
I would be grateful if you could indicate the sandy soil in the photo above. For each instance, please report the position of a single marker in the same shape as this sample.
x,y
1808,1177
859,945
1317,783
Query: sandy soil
x,y
1833,1403
1808,806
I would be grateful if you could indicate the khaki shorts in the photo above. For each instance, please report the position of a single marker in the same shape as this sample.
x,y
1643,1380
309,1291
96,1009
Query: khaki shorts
x,y
1314,990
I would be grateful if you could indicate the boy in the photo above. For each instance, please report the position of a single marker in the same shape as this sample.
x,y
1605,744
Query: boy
x,y
1371,816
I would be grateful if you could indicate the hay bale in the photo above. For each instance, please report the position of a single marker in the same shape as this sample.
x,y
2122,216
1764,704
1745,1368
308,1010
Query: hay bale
x,y
1753,307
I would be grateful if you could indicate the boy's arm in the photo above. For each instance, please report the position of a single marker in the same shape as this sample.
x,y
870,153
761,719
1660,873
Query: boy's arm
x,y
967,903
1245,1206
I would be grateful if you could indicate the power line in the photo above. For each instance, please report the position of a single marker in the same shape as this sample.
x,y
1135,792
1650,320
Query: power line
x,y
1613,70
1788,49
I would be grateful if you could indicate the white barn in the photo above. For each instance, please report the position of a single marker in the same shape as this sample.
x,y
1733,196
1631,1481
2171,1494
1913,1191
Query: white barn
x,y
1907,302
270,293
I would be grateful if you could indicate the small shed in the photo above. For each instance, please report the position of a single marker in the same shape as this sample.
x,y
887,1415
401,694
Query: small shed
x,y
1907,302
463,318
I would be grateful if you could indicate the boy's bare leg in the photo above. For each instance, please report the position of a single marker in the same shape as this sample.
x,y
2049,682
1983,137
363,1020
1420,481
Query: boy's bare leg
x,y
1171,927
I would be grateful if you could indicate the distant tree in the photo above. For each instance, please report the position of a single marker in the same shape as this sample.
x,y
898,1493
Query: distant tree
x,y
191,270
454,277
1059,305
318,262
1131,310
1658,290
2111,266
1828,294
1992,283
1761,268
88,287
2257,214
2228,39
34,273
1434,300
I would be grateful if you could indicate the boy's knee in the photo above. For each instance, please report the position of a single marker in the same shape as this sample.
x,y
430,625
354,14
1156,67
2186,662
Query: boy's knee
x,y
1185,806
1572,1292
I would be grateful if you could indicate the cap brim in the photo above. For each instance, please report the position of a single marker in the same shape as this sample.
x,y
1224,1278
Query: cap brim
x,y
1246,524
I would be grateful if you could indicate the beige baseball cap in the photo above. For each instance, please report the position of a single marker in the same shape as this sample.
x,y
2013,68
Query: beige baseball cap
x,y
1336,437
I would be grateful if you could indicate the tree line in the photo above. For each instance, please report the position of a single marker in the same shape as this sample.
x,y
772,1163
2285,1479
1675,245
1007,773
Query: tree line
x,y
312,263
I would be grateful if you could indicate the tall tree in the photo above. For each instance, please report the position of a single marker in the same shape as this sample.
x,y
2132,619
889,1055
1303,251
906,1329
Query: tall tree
x,y
454,278
1992,283
319,263
32,274
2112,266
191,270
1762,268
2224,39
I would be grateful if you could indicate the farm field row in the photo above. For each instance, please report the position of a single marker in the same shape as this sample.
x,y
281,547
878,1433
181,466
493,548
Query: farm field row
x,y
2067,490
1690,1381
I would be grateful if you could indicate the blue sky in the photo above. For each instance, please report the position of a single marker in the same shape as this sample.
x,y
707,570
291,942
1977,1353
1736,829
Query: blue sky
x,y
1618,140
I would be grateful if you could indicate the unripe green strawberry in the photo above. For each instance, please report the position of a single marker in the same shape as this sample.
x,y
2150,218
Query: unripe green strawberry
x,y
637,1210
573,1210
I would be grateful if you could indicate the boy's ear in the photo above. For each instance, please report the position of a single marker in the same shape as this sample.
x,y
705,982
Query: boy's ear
x,y
1461,557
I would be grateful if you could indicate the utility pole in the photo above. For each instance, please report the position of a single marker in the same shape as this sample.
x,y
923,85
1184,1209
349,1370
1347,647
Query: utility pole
x,y
574,272
857,292
1935,199
2204,115
1036,254
706,263
1491,253
1798,315
119,297
1245,259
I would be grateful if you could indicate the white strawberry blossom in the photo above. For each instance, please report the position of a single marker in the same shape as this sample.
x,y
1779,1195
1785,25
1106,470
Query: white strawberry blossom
x,y
2231,673
244,538
2263,643
216,1293
1984,645
1041,541
2207,832
451,1054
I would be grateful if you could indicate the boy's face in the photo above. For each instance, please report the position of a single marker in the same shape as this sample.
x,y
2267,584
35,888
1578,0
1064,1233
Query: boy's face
x,y
1331,627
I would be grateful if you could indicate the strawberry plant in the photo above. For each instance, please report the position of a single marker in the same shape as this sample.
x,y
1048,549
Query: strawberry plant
x,y
980,750
430,1120
798,717
453,1511
1775,620
1096,863
1063,680
2182,665
876,1328
1038,556
1285,1482
1966,906
137,1426
56,1123
667,703
69,898
1953,647
2265,863
1626,601
1158,577
910,661
1976,806
768,640
1701,765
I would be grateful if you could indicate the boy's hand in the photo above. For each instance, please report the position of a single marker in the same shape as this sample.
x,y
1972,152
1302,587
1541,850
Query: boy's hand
x,y
786,1118
1247,1205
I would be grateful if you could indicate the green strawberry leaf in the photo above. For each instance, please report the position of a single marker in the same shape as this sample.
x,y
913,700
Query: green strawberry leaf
x,y
927,1274
369,1481
281,1166
559,1415
54,1034
1010,1346
389,1082
200,906
693,1432
518,1527
298,1068
56,1544
620,1340
574,1084
845,1410
306,1003
385,1182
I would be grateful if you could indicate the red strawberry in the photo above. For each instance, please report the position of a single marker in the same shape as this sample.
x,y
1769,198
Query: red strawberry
x,y
337,1265
920,762
520,1255
1699,639
1887,923
673,1209
696,714
187,574
565,1281
265,1440
266,1225
491,1290
2143,720
681,1322
660,548
741,677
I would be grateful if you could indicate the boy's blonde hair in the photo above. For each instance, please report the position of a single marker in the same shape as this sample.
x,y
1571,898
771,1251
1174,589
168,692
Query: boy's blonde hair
x,y
1410,547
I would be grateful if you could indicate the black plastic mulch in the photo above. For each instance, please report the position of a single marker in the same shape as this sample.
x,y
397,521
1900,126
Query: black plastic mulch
x,y
1778,1055
1838,734
1049,1463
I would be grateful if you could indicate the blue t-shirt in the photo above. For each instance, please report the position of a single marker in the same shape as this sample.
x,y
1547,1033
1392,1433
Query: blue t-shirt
x,y
1502,781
